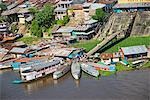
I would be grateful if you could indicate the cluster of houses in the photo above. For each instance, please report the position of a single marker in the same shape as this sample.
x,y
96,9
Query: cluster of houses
x,y
19,53
133,53
83,27
82,10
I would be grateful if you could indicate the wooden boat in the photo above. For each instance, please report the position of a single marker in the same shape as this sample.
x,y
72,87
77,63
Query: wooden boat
x,y
76,70
89,70
103,66
62,71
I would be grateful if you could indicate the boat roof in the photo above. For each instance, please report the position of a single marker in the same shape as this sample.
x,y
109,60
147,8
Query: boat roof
x,y
46,64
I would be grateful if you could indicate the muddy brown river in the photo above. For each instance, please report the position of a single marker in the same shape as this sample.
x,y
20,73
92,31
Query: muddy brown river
x,y
131,85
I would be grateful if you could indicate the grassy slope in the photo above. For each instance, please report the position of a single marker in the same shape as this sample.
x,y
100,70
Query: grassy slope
x,y
29,40
131,41
88,45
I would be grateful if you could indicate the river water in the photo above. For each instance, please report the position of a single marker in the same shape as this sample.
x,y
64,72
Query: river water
x,y
131,85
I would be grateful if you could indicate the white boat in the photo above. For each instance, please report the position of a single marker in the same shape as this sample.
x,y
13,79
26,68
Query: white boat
x,y
76,70
62,71
5,65
89,69
40,70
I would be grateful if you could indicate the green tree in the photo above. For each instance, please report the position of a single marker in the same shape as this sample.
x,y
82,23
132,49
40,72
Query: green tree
x,y
3,6
99,15
45,17
33,10
35,29
43,20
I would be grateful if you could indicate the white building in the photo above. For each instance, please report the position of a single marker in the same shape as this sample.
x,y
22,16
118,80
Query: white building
x,y
61,8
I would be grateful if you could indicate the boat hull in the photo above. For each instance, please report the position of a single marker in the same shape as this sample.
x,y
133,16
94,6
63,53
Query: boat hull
x,y
90,70
59,73
76,70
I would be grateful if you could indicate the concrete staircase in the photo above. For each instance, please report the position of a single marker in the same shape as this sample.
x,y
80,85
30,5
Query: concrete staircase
x,y
74,22
22,29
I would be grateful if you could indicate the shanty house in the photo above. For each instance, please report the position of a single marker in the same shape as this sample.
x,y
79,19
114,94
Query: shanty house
x,y
69,52
106,58
24,15
109,58
134,51
4,27
76,11
18,52
64,31
85,31
61,8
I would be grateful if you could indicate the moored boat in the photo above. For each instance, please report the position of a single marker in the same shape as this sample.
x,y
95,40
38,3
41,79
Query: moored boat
x,y
103,67
90,70
62,71
4,66
76,70
40,70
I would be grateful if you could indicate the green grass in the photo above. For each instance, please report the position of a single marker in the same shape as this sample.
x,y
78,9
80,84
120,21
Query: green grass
x,y
29,40
147,65
107,73
131,41
87,45
121,67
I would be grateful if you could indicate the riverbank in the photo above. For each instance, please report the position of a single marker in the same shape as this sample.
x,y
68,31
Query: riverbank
x,y
122,68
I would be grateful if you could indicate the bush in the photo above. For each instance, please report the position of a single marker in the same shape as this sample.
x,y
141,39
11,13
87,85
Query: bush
x,y
63,21
99,15
35,29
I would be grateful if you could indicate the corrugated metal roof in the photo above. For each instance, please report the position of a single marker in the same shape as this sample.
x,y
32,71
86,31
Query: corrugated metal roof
x,y
132,5
84,33
9,12
65,29
64,2
91,21
18,50
60,9
97,5
134,50
45,64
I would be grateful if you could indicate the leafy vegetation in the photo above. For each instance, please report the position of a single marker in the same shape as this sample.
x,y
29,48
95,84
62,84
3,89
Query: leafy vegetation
x,y
3,6
147,65
29,40
43,20
33,10
131,41
87,45
2,19
35,29
121,67
64,21
99,15
14,28
107,73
